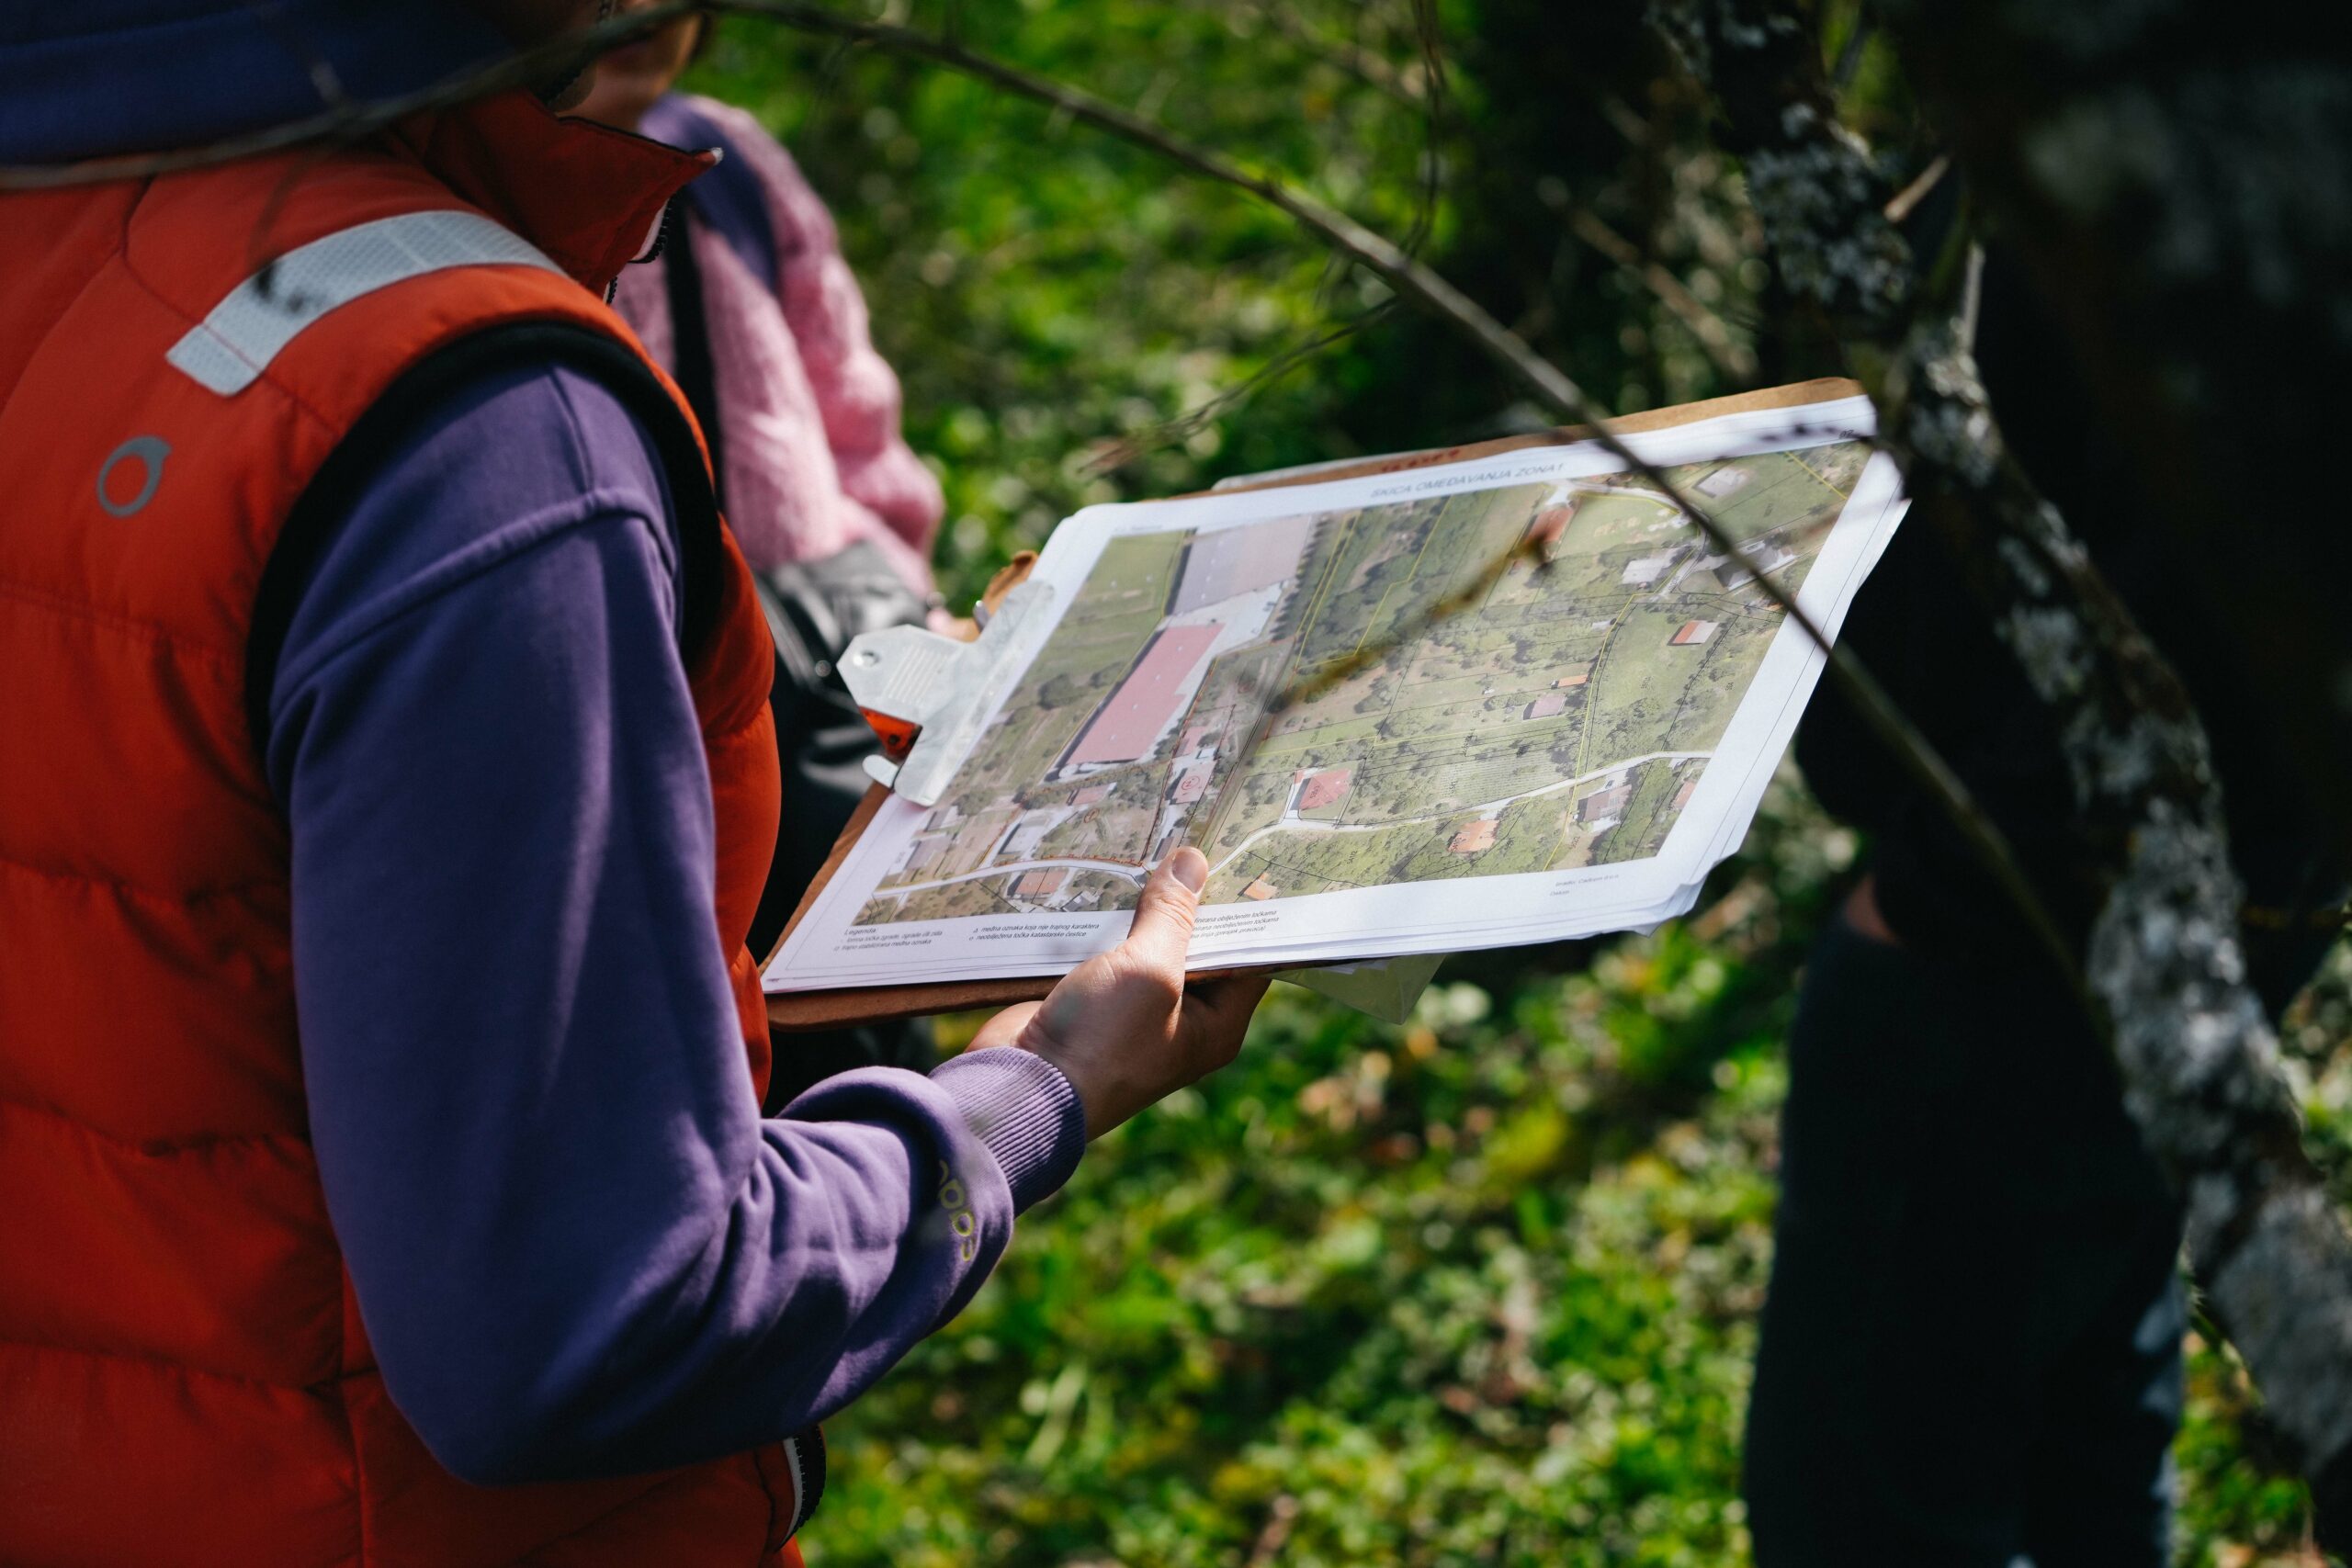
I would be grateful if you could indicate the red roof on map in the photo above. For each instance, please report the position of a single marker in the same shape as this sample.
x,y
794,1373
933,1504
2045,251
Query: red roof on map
x,y
1039,883
1092,794
1692,632
1325,787
1474,836
1146,700
1552,522
1603,802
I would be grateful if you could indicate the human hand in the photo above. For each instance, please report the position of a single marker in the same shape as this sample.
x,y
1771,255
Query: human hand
x,y
1123,1027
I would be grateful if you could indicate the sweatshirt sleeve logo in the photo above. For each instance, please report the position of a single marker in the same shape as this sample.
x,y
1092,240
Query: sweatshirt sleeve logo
x,y
960,1218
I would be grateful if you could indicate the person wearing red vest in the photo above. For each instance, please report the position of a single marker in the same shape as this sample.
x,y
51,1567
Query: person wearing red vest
x,y
386,786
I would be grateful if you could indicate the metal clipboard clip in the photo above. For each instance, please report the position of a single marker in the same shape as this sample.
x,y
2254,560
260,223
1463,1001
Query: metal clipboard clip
x,y
929,697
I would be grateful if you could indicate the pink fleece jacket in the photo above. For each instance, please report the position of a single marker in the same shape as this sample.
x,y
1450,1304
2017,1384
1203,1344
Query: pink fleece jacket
x,y
814,457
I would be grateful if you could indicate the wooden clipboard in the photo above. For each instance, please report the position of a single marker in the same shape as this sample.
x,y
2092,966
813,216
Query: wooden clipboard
x,y
875,1004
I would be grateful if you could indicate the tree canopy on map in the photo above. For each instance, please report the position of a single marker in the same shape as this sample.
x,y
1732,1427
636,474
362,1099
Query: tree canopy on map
x,y
1561,719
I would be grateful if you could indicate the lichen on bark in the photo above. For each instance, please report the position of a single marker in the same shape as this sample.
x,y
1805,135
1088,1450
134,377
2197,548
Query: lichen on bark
x,y
2197,1056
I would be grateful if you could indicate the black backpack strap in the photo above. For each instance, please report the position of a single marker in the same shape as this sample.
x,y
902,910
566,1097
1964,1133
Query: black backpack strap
x,y
691,363
813,609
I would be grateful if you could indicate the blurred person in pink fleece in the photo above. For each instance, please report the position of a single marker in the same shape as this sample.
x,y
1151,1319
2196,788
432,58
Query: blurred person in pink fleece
x,y
806,435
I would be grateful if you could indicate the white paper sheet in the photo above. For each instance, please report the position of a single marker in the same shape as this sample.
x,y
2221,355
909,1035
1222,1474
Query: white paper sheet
x,y
1388,729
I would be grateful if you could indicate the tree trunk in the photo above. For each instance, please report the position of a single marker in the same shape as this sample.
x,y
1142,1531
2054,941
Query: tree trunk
x,y
2085,197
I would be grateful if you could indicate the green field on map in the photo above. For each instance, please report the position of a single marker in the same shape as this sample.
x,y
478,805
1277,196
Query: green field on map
x,y
1395,693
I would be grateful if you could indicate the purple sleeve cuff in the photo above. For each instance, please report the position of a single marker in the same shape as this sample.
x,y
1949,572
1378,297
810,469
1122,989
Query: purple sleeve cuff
x,y
1023,1108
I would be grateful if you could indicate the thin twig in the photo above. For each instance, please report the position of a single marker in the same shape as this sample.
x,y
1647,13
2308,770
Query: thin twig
x,y
1430,37
1849,58
1369,66
1733,358
1369,653
1903,203
1282,1514
1119,454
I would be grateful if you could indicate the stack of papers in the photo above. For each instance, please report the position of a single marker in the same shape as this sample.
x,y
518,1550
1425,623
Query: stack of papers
x,y
1514,699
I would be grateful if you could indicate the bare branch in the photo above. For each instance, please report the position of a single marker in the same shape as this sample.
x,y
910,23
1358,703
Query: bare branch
x,y
1371,67
1117,455
1731,358
1430,36
1409,277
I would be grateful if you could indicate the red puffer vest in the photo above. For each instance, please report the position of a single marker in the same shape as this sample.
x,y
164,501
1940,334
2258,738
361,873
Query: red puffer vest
x,y
184,1376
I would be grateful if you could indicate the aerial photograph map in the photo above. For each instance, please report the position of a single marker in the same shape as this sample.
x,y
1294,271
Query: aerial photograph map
x,y
1361,697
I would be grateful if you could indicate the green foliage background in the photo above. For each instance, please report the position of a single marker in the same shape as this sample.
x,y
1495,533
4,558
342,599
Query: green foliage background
x,y
1480,1289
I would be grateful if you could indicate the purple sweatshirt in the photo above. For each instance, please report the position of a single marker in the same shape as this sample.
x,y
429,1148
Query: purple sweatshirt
x,y
576,1245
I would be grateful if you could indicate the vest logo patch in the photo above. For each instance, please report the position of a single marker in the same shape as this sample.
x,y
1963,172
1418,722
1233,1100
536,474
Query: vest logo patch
x,y
118,492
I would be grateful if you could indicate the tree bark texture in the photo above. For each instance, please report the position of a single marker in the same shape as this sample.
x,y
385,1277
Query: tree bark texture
x,y
2192,270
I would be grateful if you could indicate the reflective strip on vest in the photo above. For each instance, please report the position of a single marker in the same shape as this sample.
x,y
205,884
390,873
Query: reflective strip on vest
x,y
234,345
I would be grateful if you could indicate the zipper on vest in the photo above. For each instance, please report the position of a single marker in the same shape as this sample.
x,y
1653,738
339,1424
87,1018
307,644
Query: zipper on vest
x,y
661,230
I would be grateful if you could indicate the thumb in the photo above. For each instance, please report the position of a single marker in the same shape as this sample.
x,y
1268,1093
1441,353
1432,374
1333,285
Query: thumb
x,y
1163,927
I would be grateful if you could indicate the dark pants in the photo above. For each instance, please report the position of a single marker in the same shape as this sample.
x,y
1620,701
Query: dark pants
x,y
1972,1348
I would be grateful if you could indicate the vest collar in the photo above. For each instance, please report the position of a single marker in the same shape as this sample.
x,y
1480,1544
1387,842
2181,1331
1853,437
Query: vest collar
x,y
590,197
